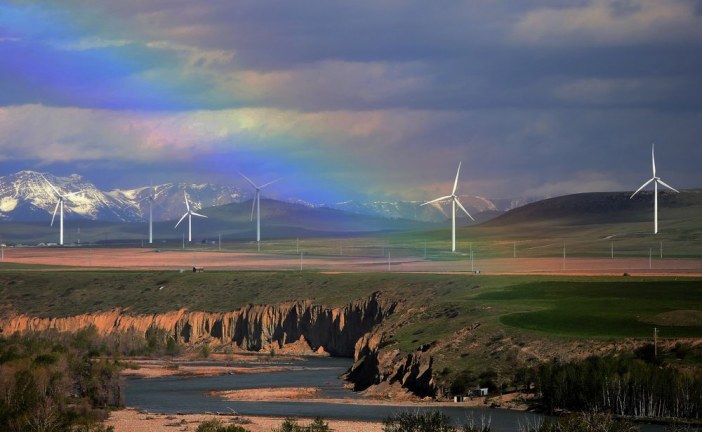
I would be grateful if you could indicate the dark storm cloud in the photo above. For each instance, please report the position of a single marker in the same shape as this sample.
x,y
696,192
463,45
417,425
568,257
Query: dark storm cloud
x,y
542,97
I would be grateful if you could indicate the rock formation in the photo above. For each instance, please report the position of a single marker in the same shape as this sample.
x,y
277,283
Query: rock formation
x,y
348,331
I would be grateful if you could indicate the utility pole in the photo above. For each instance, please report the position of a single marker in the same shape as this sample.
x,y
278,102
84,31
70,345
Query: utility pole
x,y
650,257
301,254
425,250
655,342
661,249
472,266
220,242
514,253
388,260
564,255
184,241
297,245
3,253
612,250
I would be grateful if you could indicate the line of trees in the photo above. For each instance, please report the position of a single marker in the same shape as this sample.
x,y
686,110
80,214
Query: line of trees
x,y
622,385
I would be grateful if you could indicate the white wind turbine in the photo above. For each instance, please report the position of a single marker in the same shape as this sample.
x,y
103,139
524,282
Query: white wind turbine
x,y
151,197
454,201
257,204
656,181
189,214
59,205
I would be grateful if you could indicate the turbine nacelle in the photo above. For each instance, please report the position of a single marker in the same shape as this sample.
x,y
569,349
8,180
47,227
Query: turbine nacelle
x,y
59,206
656,181
256,203
455,202
189,214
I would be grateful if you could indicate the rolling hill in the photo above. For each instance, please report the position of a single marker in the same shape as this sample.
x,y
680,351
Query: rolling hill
x,y
604,207
278,220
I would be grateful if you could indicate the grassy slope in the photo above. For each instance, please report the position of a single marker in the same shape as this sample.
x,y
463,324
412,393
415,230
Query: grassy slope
x,y
513,311
559,305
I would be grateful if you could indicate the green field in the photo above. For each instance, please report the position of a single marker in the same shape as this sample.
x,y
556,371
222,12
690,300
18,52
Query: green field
x,y
553,305
545,315
596,309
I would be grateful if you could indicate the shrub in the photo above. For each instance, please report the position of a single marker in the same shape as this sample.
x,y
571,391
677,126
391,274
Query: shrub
x,y
432,421
583,422
216,425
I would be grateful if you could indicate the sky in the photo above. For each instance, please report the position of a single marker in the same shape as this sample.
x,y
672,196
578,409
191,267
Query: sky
x,y
363,99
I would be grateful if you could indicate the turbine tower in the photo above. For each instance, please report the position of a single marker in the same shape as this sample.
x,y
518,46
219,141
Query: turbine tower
x,y
59,205
257,204
189,214
151,197
656,181
454,201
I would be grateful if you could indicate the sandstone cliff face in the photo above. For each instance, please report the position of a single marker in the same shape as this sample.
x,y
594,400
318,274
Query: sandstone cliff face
x,y
253,328
349,331
375,366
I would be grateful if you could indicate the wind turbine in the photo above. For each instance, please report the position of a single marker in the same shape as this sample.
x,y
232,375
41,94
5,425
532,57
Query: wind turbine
x,y
59,204
257,204
454,202
151,197
656,181
189,214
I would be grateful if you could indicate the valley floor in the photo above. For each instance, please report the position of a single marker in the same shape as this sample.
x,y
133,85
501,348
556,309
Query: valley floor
x,y
186,260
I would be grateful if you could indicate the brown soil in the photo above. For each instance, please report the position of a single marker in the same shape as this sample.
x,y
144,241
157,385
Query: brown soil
x,y
268,394
677,318
130,420
146,258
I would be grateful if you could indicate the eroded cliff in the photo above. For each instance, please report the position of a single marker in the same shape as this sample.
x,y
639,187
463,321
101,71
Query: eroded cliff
x,y
253,328
354,330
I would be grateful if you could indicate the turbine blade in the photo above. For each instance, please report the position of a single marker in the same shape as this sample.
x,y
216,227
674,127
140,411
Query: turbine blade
x,y
73,194
639,189
668,186
436,200
653,158
186,201
55,210
181,219
253,204
455,183
197,214
52,186
464,209
248,180
269,183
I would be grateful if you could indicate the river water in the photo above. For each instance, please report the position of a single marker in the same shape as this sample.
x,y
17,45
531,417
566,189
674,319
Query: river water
x,y
190,395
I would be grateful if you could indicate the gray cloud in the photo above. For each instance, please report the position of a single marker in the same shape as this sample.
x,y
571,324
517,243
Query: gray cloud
x,y
546,97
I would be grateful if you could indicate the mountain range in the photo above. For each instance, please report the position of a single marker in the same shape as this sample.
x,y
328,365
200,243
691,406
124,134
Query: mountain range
x,y
26,196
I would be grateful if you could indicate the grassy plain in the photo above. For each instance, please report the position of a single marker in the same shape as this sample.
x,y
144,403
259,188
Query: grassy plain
x,y
474,322
548,305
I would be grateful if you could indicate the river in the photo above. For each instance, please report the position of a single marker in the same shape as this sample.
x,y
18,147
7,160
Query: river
x,y
178,394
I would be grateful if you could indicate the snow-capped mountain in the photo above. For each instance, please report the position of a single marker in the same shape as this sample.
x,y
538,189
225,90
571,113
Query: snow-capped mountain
x,y
168,198
26,196
430,213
